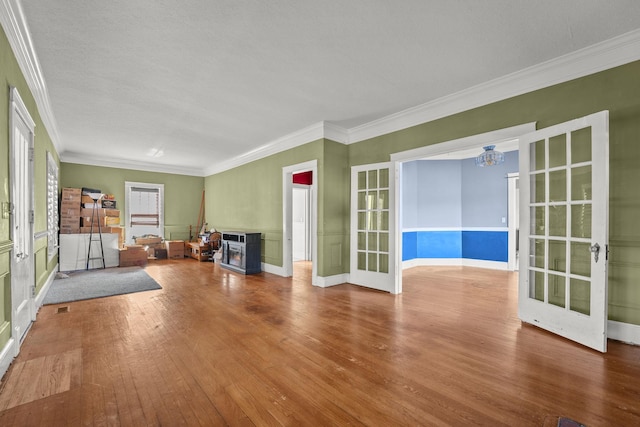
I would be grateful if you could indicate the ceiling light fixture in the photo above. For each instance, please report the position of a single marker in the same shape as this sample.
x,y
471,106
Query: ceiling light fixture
x,y
489,157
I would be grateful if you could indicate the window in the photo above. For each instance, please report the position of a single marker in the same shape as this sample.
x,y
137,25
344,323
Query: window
x,y
144,211
52,206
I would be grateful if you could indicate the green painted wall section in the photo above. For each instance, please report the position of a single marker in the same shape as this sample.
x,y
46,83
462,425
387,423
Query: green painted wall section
x,y
182,194
249,197
616,90
11,75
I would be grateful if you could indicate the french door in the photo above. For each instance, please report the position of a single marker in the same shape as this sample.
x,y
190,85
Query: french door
x,y
373,262
564,183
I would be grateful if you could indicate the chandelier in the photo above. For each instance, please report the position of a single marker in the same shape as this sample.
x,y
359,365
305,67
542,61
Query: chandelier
x,y
489,157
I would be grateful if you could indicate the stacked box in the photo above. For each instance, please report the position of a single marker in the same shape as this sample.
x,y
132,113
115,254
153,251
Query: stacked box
x,y
132,255
107,217
175,249
149,240
70,210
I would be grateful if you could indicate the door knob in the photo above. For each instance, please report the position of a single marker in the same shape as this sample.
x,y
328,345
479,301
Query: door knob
x,y
595,250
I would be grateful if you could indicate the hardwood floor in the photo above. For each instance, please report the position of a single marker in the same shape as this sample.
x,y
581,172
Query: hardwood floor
x,y
217,348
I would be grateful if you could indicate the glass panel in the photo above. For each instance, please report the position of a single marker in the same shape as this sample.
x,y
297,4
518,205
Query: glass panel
x,y
373,179
384,220
581,145
557,255
373,242
362,180
362,220
362,260
536,285
384,178
362,241
537,156
383,239
537,221
557,290
557,221
383,196
536,253
558,186
581,221
537,188
581,259
581,183
558,150
373,262
580,297
373,220
362,200
372,200
384,263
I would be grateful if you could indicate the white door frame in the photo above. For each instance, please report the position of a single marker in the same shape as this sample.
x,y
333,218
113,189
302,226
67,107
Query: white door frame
x,y
18,111
512,263
443,149
306,191
287,217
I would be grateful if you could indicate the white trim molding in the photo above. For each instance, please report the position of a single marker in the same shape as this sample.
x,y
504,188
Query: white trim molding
x,y
273,269
454,262
592,59
15,27
303,136
45,289
328,281
6,356
625,332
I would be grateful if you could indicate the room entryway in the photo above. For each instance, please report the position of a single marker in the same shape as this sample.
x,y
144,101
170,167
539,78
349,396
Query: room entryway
x,y
21,152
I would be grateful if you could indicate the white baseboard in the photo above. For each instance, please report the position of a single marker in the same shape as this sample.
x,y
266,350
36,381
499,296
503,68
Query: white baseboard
x,y
625,332
45,289
456,262
338,279
273,269
6,356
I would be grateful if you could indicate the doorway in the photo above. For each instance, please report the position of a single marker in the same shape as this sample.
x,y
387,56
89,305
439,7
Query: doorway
x,y
22,200
310,189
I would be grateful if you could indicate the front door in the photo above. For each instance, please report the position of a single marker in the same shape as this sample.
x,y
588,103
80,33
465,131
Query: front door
x,y
373,262
564,229
22,276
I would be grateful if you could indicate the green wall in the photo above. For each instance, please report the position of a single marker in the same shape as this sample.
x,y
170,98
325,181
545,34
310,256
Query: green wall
x,y
182,194
616,90
10,75
252,193
249,198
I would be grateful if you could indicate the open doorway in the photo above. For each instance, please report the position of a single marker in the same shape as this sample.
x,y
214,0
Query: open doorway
x,y
299,201
408,253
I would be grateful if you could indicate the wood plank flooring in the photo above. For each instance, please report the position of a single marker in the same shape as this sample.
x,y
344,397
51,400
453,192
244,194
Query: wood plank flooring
x,y
217,348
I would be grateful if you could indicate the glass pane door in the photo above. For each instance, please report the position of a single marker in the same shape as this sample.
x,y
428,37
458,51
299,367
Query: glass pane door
x,y
563,277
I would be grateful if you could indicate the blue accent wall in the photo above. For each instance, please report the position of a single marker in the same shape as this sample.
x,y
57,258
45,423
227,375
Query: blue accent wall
x,y
485,245
480,245
454,195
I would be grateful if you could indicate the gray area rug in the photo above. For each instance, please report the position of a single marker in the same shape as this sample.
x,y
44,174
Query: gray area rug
x,y
81,285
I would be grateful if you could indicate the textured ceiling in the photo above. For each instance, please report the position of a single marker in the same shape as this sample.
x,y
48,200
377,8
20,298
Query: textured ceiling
x,y
191,84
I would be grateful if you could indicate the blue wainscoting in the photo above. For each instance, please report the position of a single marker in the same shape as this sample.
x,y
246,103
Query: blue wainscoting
x,y
486,245
476,244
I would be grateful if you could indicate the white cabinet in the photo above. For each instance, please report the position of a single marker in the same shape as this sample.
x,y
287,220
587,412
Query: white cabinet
x,y
74,248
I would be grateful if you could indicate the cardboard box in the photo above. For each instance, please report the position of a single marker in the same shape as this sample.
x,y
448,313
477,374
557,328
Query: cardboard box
x,y
68,229
108,204
109,197
68,222
133,255
100,212
71,195
106,221
149,240
175,249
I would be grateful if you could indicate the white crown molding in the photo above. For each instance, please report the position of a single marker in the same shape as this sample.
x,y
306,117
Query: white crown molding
x,y
15,27
599,57
303,136
83,159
